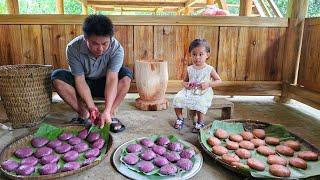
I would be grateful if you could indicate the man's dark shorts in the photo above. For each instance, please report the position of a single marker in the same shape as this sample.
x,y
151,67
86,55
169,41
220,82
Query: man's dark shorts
x,y
96,85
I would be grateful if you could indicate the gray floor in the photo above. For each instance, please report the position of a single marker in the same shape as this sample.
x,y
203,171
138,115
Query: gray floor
x,y
300,119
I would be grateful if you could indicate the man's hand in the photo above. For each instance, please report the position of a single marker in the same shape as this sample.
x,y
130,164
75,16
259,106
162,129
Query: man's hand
x,y
105,117
94,114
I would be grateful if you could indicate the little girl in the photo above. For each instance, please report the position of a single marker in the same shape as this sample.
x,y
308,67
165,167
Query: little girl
x,y
197,93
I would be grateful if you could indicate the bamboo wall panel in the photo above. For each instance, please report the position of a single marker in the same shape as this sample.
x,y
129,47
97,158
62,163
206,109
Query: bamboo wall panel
x,y
32,48
124,34
10,44
259,53
227,57
309,68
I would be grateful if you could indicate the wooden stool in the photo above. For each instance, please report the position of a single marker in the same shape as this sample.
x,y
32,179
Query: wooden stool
x,y
218,103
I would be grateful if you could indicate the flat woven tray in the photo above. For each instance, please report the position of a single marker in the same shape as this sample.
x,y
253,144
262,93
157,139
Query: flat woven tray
x,y
24,140
249,125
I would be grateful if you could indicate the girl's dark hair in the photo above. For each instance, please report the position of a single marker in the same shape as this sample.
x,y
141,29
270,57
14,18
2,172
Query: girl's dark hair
x,y
199,42
98,25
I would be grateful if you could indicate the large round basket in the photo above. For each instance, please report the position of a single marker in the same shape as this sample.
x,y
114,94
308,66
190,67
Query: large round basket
x,y
26,93
249,125
23,141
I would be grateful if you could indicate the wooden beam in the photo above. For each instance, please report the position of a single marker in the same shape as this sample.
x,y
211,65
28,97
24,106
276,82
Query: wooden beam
x,y
222,4
12,6
265,8
186,11
311,98
292,51
210,2
150,20
259,8
275,8
190,3
137,3
94,10
84,7
248,88
245,8
59,7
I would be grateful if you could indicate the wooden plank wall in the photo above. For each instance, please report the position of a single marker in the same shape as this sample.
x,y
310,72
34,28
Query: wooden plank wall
x,y
244,54
309,68
307,89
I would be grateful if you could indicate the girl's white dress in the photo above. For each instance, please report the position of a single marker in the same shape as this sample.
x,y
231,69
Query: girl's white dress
x,y
195,99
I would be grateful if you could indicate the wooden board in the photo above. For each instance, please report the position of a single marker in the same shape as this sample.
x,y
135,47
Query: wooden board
x,y
32,48
149,20
10,44
259,54
309,67
245,88
170,45
227,55
143,43
124,34
304,95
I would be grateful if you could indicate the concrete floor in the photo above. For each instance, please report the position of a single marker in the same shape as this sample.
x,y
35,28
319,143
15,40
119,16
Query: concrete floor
x,y
300,119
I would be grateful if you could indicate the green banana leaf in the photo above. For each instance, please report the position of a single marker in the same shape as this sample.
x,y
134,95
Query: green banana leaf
x,y
52,133
156,172
275,130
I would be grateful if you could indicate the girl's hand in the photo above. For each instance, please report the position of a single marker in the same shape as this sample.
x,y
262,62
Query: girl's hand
x,y
204,85
186,85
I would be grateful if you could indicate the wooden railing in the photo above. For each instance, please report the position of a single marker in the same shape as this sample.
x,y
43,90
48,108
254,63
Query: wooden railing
x,y
307,89
246,51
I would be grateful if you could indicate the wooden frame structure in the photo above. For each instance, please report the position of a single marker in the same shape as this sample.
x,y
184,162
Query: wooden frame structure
x,y
253,55
180,7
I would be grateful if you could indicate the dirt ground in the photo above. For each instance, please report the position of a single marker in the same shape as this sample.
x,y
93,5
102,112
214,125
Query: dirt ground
x,y
296,117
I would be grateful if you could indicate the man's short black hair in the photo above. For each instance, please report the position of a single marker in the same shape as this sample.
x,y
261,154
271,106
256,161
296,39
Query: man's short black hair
x,y
98,25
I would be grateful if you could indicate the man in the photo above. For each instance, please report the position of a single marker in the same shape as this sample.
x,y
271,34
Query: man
x,y
95,61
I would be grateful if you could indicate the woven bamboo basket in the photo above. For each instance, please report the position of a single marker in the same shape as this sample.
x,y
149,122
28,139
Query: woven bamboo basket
x,y
26,93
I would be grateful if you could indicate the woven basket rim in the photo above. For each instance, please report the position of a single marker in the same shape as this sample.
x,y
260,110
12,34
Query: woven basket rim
x,y
18,69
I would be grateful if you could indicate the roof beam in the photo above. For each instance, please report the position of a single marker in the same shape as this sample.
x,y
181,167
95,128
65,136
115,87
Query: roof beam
x,y
190,3
136,3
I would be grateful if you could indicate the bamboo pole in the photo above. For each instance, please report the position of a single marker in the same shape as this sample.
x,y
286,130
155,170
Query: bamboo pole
x,y
297,10
59,6
12,6
245,8
84,6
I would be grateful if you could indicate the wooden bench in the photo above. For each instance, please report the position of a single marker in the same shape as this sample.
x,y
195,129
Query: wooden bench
x,y
218,103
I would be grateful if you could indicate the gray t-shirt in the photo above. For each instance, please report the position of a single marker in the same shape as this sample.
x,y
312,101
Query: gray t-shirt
x,y
81,62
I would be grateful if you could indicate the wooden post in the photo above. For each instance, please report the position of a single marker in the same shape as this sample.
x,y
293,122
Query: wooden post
x,y
12,6
151,80
84,6
186,11
245,7
297,10
95,10
210,2
59,6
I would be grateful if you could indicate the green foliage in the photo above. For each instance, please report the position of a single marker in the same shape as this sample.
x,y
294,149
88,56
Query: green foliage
x,y
72,7
3,9
37,6
313,8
